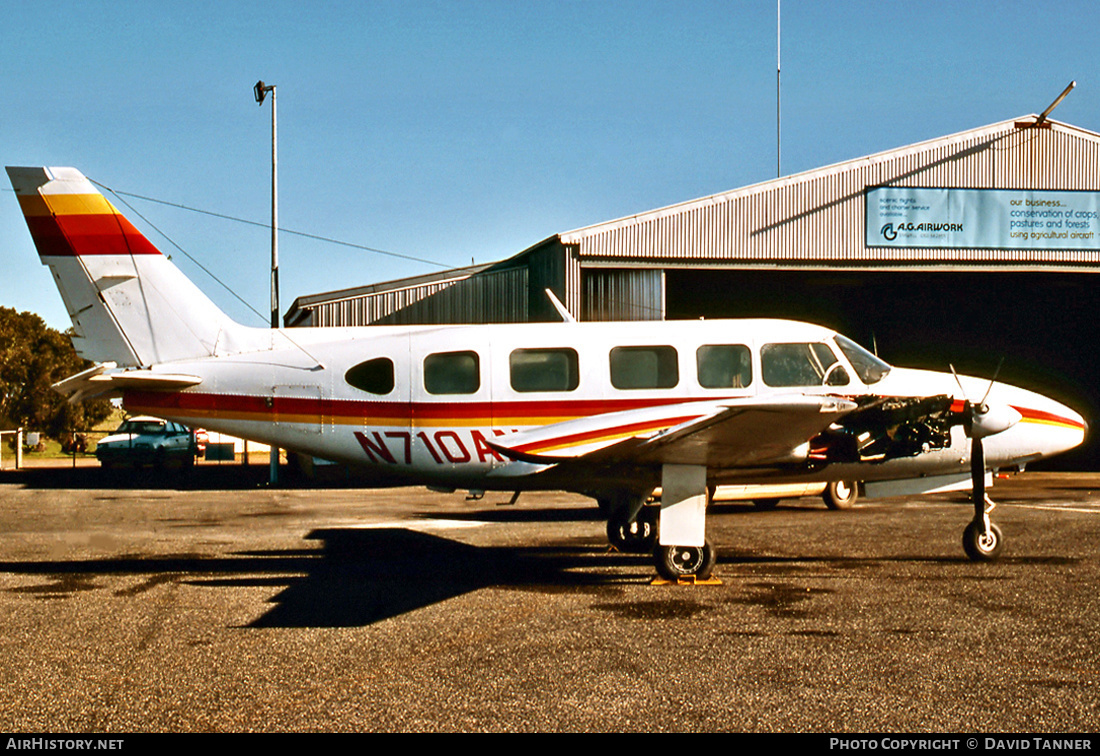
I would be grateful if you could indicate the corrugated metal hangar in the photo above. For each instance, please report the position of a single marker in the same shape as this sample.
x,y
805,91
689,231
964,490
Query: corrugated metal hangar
x,y
964,249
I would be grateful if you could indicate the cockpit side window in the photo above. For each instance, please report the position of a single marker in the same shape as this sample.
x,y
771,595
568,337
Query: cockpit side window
x,y
812,364
868,367
373,376
724,366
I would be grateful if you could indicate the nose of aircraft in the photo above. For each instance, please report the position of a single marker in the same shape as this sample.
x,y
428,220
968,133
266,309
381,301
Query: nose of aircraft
x,y
1075,424
1052,426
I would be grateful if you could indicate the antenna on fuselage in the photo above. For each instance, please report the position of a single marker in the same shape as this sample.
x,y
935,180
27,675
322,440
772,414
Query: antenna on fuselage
x,y
565,315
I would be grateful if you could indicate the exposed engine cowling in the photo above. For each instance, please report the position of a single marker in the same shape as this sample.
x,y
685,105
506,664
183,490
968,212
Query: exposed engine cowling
x,y
887,428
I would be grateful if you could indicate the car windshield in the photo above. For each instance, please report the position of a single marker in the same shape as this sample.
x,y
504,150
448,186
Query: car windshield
x,y
869,367
143,427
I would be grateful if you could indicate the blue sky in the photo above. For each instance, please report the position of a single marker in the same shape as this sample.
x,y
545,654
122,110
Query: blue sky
x,y
459,131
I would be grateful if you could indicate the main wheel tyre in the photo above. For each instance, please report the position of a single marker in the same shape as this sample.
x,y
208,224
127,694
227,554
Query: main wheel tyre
x,y
840,494
675,562
635,537
981,546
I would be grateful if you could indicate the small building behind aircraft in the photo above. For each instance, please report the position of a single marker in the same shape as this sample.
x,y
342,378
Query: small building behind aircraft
x,y
963,250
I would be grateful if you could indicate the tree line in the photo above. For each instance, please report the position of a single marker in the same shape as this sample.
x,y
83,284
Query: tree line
x,y
34,356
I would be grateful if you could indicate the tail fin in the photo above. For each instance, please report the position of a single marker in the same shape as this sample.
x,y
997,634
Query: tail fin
x,y
129,304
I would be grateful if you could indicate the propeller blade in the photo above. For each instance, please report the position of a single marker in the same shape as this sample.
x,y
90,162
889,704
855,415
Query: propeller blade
x,y
957,380
993,381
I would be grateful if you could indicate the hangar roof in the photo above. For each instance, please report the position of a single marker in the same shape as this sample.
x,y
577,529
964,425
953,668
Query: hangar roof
x,y
818,215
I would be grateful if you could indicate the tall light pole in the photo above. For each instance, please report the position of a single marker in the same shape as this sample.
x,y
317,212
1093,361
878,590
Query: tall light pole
x,y
260,91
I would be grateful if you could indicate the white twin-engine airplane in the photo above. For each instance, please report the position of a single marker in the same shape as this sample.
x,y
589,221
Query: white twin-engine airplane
x,y
610,410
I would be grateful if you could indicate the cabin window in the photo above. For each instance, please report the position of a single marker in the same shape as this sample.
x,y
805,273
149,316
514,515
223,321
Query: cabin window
x,y
724,366
452,373
373,376
644,367
801,365
544,369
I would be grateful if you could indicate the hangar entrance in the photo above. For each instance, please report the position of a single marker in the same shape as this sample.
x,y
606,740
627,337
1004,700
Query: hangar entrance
x,y
1044,325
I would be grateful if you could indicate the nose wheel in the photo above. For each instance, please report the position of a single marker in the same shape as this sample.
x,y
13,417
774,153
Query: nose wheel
x,y
982,540
982,545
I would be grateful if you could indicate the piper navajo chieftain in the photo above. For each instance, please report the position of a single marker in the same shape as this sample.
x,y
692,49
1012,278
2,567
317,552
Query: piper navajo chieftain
x,y
611,410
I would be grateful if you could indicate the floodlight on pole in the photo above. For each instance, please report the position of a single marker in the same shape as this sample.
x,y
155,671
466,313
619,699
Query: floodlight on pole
x,y
1054,104
260,91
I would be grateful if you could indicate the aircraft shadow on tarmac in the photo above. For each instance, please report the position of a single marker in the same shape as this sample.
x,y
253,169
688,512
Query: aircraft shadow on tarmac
x,y
367,575
359,577
363,576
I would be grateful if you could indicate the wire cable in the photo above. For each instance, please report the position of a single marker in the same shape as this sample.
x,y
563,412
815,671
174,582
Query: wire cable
x,y
182,251
304,234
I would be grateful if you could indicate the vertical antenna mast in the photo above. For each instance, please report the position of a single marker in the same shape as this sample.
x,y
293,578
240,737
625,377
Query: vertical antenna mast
x,y
778,68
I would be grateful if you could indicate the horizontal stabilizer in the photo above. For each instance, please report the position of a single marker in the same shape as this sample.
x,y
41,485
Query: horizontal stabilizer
x,y
97,382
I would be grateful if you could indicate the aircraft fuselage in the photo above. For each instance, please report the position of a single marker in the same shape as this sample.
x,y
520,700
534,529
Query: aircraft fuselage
x,y
432,401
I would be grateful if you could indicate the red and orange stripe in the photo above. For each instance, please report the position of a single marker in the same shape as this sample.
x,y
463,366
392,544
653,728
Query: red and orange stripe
x,y
69,225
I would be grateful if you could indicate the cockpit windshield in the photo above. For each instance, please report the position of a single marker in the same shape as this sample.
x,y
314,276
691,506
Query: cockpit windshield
x,y
869,367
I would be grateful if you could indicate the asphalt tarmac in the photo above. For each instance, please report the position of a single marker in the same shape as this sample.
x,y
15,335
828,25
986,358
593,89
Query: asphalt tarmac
x,y
212,603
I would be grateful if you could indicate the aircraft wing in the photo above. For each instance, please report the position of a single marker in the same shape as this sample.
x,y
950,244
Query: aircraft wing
x,y
731,433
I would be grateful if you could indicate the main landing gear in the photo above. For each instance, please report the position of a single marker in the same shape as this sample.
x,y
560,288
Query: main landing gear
x,y
676,562
640,536
675,532
633,536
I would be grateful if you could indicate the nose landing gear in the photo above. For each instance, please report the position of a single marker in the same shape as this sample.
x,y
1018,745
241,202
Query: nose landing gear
x,y
982,540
